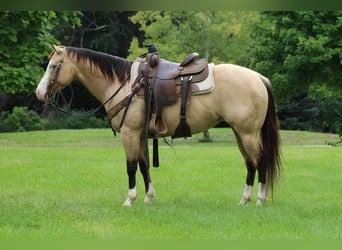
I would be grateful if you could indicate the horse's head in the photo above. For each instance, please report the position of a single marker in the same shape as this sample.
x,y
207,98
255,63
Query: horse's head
x,y
58,74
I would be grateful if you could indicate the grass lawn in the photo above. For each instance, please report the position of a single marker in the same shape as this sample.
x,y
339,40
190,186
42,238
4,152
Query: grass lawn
x,y
70,184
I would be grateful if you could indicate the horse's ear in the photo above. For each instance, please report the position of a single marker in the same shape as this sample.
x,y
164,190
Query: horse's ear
x,y
53,46
56,48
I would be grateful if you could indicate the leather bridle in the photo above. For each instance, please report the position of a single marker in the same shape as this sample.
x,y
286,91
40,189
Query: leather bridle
x,y
52,82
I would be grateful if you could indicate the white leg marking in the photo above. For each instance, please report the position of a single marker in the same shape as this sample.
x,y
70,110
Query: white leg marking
x,y
150,193
247,194
132,195
261,194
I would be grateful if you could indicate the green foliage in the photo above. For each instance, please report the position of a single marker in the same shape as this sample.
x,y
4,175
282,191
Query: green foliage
x,y
105,31
25,38
60,120
331,115
135,50
213,34
21,119
297,49
305,113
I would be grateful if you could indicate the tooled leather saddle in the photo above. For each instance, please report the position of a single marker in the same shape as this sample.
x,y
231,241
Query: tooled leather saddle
x,y
165,81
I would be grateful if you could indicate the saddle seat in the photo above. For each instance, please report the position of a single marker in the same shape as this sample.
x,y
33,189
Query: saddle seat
x,y
170,70
167,70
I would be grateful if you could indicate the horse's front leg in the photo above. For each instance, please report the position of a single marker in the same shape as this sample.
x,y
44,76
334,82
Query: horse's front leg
x,y
131,143
144,165
132,189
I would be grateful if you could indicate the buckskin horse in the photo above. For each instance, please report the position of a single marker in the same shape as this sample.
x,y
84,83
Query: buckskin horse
x,y
239,96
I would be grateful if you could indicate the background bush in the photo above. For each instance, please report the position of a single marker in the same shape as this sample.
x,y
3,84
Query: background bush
x,y
23,119
59,120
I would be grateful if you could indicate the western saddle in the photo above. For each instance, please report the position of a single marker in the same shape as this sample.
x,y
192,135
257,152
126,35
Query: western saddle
x,y
164,81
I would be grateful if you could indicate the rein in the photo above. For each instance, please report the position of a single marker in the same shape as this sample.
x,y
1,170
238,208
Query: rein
x,y
53,103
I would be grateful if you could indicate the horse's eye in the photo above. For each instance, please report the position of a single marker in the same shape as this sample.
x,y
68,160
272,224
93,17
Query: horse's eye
x,y
52,66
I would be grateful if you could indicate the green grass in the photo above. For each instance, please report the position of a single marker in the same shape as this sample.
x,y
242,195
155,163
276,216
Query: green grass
x,y
70,184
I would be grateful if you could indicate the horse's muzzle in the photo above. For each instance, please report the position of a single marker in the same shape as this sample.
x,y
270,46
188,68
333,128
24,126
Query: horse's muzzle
x,y
40,95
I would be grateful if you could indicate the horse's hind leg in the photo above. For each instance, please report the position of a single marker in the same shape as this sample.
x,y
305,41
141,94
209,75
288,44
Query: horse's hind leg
x,y
248,192
253,153
145,170
250,150
261,184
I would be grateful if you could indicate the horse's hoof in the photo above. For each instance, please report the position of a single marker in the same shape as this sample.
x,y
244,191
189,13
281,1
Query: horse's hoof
x,y
150,194
244,201
260,202
148,198
131,197
127,203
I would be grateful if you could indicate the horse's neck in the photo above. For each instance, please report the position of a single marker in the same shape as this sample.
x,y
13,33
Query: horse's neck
x,y
99,86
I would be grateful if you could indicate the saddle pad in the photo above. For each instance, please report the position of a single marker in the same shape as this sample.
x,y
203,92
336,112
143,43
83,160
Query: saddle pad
x,y
197,88
134,71
205,86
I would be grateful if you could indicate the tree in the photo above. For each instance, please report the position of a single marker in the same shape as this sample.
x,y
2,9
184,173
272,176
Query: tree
x,y
106,31
301,52
298,50
213,34
25,38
